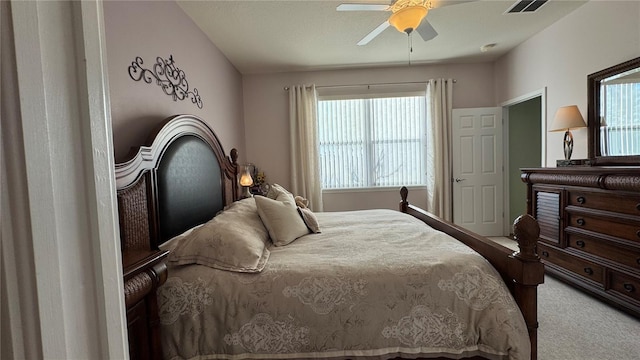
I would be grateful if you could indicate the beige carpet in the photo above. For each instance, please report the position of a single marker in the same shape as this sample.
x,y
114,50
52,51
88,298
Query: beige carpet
x,y
576,326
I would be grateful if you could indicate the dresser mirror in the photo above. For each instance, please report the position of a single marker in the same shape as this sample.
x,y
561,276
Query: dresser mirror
x,y
614,114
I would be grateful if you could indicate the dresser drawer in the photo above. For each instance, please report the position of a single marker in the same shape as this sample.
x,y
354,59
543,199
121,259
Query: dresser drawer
x,y
624,284
576,265
626,204
620,254
628,231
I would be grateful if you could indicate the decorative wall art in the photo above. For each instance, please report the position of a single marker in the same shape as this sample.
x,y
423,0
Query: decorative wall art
x,y
172,80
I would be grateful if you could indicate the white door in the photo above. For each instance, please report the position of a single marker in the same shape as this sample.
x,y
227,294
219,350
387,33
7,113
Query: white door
x,y
478,170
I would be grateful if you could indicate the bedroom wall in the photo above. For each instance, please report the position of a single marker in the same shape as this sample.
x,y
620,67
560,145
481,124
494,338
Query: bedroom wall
x,y
266,118
150,29
597,35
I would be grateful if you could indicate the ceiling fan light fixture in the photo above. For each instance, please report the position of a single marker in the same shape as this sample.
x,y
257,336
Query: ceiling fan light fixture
x,y
407,19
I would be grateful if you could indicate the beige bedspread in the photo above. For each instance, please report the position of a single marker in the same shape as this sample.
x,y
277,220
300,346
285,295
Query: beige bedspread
x,y
375,283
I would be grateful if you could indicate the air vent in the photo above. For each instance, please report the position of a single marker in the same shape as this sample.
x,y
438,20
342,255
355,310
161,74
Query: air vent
x,y
526,6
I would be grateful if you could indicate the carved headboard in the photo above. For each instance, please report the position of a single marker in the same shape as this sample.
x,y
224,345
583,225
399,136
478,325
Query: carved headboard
x,y
180,178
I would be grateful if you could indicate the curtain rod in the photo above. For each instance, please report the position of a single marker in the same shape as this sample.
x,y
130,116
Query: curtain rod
x,y
286,88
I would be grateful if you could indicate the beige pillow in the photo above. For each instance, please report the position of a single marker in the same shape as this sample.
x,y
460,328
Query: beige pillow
x,y
235,240
309,219
281,218
276,190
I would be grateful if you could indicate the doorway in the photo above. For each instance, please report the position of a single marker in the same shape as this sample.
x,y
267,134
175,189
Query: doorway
x,y
524,117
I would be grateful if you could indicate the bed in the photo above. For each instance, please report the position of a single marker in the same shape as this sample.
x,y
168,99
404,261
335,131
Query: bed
x,y
371,284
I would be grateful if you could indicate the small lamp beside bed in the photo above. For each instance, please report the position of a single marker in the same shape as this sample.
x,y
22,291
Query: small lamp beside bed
x,y
246,181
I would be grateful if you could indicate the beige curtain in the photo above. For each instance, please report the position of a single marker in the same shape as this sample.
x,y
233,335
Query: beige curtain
x,y
439,104
305,166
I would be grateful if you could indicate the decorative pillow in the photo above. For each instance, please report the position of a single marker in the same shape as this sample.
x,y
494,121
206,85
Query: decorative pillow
x,y
235,240
242,205
172,243
281,218
276,190
302,202
309,219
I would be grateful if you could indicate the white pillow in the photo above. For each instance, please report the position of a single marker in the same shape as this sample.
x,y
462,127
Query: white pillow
x,y
281,218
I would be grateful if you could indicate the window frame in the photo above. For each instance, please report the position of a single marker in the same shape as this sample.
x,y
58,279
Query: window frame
x,y
401,92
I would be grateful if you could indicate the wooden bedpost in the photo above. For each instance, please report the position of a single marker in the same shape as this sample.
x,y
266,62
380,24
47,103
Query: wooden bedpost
x,y
404,204
525,291
235,189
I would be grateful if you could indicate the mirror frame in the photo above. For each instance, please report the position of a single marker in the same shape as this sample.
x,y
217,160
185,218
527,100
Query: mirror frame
x,y
593,109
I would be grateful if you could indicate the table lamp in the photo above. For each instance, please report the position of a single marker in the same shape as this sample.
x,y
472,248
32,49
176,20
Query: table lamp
x,y
567,118
246,181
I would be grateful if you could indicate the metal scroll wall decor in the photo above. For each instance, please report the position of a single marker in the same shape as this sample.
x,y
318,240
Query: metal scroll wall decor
x,y
172,80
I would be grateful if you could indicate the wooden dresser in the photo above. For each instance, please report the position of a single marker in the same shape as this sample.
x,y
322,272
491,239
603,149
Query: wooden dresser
x,y
590,228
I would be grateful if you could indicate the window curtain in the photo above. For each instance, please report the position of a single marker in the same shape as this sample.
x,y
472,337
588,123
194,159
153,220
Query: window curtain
x,y
303,125
439,104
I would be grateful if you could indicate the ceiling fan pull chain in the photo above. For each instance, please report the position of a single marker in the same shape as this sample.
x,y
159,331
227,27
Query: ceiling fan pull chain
x,y
410,45
411,42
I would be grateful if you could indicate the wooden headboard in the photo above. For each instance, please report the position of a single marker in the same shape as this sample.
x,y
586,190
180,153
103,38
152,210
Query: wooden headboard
x,y
178,179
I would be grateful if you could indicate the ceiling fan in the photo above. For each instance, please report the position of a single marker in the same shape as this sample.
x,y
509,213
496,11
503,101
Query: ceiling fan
x,y
406,16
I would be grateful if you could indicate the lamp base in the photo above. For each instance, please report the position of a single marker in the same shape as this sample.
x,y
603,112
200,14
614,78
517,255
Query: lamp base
x,y
573,162
246,193
568,145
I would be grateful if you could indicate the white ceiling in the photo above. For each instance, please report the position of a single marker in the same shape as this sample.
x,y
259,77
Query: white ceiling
x,y
263,36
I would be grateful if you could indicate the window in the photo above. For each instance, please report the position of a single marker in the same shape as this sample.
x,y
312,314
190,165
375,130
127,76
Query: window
x,y
372,142
620,132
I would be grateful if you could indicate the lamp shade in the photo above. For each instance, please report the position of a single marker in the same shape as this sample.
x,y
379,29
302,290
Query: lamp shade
x,y
408,19
245,177
567,117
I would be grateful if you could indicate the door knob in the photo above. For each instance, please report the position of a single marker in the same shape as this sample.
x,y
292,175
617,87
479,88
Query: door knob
x,y
458,180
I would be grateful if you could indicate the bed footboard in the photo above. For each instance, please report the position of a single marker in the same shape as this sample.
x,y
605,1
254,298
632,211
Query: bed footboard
x,y
522,270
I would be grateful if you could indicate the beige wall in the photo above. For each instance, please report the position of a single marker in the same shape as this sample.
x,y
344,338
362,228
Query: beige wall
x,y
595,36
150,29
267,117
371,199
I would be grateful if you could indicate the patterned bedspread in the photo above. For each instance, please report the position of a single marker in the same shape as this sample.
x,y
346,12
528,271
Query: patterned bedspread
x,y
375,283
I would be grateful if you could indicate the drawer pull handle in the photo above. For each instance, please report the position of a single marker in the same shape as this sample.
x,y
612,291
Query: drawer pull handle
x,y
581,200
580,243
638,206
581,222
588,270
638,233
629,287
638,261
546,254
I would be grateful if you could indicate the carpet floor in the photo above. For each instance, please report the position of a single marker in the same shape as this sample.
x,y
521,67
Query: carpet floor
x,y
576,326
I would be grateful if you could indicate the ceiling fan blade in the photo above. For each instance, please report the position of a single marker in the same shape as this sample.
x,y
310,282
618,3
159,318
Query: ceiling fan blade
x,y
370,36
362,7
441,3
426,31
